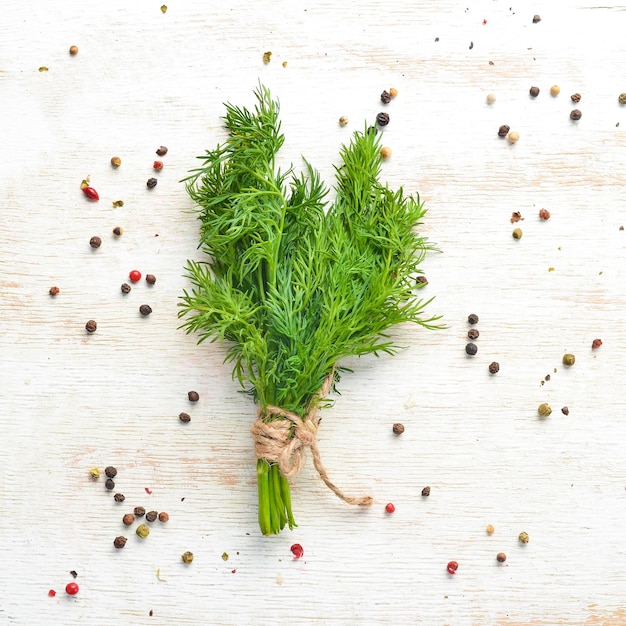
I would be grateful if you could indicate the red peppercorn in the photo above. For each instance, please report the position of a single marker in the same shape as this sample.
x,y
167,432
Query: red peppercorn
x,y
91,193
390,508
452,567
71,589
52,593
135,275
158,165
595,344
298,550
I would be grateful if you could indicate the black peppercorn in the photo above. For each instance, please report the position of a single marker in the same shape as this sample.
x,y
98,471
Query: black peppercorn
x,y
536,19
126,288
503,131
150,279
385,97
110,471
145,309
193,396
565,410
382,119
576,98
576,114
494,367
151,183
118,231
54,291
161,151
139,511
119,497
119,542
473,334
421,280
151,516
184,417
95,242
398,429
109,484
91,326
426,492
472,318
534,92
471,349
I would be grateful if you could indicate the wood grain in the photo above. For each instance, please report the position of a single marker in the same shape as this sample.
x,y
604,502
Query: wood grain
x,y
73,401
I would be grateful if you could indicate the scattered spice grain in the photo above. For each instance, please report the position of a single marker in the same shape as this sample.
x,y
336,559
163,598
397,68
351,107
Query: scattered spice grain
x,y
94,473
565,410
385,152
501,557
544,214
452,567
297,550
555,90
126,288
471,349
184,417
490,529
139,511
145,309
73,50
116,161
157,166
544,409
513,137
151,516
491,98
193,396
110,484
128,519
385,97
569,359
472,318
142,531
421,280
473,334
596,343
576,98
516,216
503,131
575,115
382,119
187,557
90,193
54,291
517,233
398,428
164,517
150,279
622,98
110,471
343,120
426,492
95,242
494,367
134,275
120,542
119,497
91,326
267,57
536,19
534,92
523,537
151,183
118,231
393,92
161,151
389,507
71,589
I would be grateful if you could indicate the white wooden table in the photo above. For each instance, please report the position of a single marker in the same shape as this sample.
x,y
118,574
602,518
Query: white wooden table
x,y
72,401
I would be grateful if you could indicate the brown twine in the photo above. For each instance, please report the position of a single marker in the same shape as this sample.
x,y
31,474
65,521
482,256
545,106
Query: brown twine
x,y
284,441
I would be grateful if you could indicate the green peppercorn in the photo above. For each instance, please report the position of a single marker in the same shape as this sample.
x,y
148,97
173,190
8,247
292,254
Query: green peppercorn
x,y
142,531
517,233
94,473
187,557
569,359
544,409
523,537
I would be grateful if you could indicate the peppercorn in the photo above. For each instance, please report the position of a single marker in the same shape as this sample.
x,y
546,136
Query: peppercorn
x,y
565,410
398,429
490,529
385,152
150,279
54,291
91,326
393,92
193,396
145,309
142,531
555,90
491,98
501,557
513,137
110,471
426,492
134,275
523,537
119,542
452,567
151,183
109,484
385,97
421,280
596,343
517,233
544,409
471,348
157,166
622,98
534,92
90,192
575,97
118,231
161,151
473,334
184,417
95,242
389,507
71,589
128,519
472,318
343,120
494,367
536,19
139,511
73,50
382,119
575,115
164,517
151,516
94,473
544,214
119,497
569,359
503,131
116,161
187,557
126,288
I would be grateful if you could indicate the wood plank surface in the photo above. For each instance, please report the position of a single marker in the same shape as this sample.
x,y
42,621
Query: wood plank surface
x,y
73,401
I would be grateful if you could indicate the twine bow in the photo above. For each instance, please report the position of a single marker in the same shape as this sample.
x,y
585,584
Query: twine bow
x,y
284,441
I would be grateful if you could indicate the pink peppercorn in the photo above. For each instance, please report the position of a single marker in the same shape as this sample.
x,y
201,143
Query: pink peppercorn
x,y
297,550
452,567
390,508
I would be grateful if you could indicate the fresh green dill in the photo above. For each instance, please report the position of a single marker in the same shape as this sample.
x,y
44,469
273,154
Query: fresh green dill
x,y
292,284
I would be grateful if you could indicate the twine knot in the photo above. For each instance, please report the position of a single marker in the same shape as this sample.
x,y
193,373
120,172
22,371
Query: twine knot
x,y
284,441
